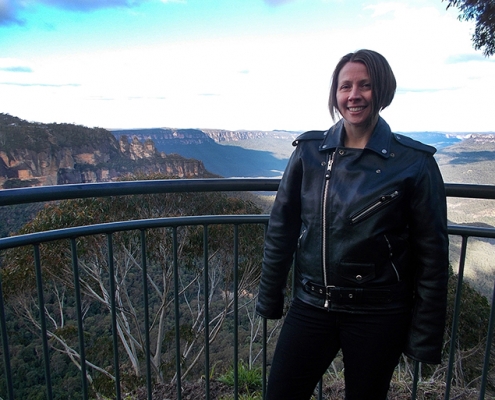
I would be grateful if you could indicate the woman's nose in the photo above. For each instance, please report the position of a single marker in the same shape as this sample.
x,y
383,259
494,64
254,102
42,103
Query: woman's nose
x,y
354,93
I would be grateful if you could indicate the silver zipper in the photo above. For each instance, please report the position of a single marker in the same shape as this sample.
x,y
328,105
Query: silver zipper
x,y
324,220
368,210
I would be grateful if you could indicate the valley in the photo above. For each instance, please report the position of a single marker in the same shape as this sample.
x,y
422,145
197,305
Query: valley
x,y
43,154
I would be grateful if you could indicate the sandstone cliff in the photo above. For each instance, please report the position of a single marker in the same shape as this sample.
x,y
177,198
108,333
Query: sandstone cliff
x,y
33,154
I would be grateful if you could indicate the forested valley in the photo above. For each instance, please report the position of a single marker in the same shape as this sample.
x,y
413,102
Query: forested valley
x,y
19,285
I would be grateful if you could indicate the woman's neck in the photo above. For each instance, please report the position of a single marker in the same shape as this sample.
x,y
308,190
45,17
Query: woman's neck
x,y
358,136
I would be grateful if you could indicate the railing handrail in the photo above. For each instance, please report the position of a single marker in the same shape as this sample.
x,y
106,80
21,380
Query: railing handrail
x,y
121,188
119,226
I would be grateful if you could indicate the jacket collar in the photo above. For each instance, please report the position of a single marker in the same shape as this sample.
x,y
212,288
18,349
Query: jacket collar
x,y
379,141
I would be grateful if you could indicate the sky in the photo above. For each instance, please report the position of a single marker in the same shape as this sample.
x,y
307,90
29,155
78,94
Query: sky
x,y
235,64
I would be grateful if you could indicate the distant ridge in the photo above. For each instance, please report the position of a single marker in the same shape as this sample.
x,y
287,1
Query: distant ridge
x,y
226,153
35,154
247,153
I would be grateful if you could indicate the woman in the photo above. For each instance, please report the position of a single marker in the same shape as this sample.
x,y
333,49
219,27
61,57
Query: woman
x,y
364,212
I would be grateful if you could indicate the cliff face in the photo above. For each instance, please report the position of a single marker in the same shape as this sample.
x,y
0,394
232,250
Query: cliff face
x,y
33,154
194,136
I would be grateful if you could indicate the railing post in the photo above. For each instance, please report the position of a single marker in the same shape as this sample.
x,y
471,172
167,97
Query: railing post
x,y
113,312
489,339
207,311
178,355
455,318
41,303
236,312
265,357
80,327
416,375
5,345
144,267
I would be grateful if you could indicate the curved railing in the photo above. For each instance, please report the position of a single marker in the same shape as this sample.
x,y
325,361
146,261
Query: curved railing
x,y
99,190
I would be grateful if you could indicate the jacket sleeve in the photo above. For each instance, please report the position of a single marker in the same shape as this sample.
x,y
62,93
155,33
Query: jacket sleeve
x,y
281,240
429,242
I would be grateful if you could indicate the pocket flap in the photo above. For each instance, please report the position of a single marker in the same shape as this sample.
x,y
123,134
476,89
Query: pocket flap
x,y
356,272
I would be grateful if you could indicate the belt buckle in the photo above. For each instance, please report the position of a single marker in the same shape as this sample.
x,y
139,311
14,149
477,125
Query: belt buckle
x,y
328,294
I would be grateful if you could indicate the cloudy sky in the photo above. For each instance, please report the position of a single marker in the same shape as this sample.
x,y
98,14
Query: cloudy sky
x,y
234,64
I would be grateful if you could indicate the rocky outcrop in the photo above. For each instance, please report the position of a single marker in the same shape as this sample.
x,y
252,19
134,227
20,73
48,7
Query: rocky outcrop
x,y
182,136
220,135
33,154
199,136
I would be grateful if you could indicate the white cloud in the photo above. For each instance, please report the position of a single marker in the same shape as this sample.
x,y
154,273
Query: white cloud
x,y
277,81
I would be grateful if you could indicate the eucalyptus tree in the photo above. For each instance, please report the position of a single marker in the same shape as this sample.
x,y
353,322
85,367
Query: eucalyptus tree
x,y
18,279
483,13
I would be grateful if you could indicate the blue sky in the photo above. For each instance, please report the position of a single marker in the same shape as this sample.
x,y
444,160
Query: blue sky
x,y
234,64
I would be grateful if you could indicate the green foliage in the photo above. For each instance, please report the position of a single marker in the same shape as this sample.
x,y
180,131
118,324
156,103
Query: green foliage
x,y
12,218
17,134
482,12
18,281
472,331
249,379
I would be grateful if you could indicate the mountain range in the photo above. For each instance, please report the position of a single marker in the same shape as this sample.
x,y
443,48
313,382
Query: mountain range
x,y
247,153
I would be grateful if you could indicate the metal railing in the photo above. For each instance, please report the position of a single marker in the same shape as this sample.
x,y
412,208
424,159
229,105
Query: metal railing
x,y
99,190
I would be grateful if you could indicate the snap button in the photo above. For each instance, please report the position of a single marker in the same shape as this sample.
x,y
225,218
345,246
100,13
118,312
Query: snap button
x,y
341,152
384,151
323,163
359,277
392,154
378,171
350,295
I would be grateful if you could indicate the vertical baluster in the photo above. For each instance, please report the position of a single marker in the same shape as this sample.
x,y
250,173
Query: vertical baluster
x,y
207,311
455,319
5,346
113,311
178,355
417,373
236,312
41,303
489,339
144,266
77,293
265,357
264,341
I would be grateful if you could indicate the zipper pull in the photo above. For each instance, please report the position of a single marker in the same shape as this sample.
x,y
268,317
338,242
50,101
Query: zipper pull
x,y
329,166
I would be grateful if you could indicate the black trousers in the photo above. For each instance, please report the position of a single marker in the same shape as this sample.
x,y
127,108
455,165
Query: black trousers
x,y
310,339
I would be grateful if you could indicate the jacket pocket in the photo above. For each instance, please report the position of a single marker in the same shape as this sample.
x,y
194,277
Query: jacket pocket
x,y
356,272
373,207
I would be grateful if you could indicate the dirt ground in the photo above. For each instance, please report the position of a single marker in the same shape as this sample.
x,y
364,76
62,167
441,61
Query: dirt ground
x,y
218,390
190,391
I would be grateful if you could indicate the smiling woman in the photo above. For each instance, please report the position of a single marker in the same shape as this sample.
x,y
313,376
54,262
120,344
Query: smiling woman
x,y
362,211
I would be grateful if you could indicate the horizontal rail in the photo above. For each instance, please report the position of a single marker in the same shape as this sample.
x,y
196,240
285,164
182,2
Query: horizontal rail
x,y
105,189
111,227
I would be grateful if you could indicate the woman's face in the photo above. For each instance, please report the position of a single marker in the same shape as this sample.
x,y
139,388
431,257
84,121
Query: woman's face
x,y
354,94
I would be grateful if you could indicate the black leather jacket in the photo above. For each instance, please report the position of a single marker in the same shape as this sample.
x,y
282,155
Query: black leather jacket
x,y
368,229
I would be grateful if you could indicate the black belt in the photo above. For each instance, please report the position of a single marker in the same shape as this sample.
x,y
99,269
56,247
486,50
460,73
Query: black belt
x,y
345,295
